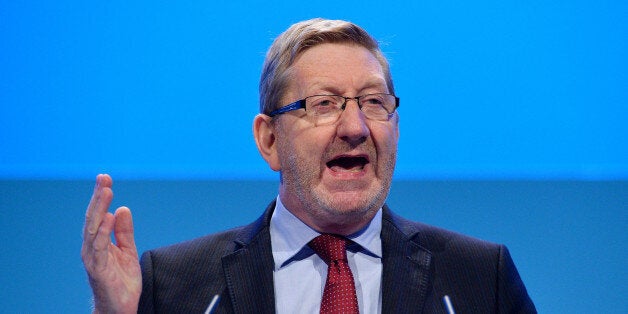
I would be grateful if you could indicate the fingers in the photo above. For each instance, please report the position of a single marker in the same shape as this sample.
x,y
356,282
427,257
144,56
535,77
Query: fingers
x,y
100,245
98,224
98,206
123,229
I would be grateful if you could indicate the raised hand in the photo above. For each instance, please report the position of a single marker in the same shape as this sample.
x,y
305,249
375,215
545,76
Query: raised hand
x,y
113,269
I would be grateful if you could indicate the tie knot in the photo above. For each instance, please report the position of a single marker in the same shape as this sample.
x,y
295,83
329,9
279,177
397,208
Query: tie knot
x,y
330,247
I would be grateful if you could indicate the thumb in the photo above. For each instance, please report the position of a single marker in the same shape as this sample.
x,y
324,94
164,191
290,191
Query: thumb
x,y
123,229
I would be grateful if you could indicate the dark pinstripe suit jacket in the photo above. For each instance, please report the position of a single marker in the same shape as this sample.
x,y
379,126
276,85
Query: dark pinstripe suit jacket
x,y
421,265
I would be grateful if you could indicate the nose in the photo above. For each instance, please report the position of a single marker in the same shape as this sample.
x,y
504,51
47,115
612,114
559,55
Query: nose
x,y
352,126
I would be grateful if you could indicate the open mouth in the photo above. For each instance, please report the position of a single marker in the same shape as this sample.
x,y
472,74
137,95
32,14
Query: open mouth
x,y
347,163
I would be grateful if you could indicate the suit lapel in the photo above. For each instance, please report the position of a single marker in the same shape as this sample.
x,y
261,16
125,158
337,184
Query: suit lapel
x,y
407,269
249,269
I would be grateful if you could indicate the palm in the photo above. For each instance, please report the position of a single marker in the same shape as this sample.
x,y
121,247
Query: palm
x,y
122,275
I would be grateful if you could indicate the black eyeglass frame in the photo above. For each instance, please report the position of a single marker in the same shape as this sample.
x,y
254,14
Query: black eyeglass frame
x,y
300,104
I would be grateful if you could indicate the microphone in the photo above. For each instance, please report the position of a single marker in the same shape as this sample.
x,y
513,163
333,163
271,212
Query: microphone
x,y
212,304
448,305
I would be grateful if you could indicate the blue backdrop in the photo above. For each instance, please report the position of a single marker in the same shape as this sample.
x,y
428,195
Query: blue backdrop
x,y
488,88
511,112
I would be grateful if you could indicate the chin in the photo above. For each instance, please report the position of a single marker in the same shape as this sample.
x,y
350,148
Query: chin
x,y
350,204
342,212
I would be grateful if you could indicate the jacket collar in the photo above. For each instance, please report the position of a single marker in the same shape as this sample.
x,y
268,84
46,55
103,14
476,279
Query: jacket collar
x,y
406,273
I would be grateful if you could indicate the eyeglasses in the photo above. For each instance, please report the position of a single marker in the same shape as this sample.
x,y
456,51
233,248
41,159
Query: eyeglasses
x,y
326,109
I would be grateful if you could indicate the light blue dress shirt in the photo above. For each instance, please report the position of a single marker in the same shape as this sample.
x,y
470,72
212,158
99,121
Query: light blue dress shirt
x,y
299,274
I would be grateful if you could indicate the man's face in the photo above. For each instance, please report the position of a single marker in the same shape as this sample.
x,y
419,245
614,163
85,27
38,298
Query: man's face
x,y
336,176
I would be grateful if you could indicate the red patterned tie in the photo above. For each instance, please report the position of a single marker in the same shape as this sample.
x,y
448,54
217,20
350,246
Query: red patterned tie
x,y
339,294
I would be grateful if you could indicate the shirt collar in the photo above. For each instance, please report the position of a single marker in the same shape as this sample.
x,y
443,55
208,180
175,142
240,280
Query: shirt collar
x,y
290,236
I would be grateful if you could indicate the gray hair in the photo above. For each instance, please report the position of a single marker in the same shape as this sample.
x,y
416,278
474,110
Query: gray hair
x,y
297,39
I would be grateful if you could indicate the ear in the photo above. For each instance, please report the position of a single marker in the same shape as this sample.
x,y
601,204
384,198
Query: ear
x,y
265,139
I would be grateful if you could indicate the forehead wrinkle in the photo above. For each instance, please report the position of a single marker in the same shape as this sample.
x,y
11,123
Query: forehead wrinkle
x,y
326,86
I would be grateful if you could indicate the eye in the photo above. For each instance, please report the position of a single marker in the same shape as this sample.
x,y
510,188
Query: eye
x,y
374,99
323,104
374,106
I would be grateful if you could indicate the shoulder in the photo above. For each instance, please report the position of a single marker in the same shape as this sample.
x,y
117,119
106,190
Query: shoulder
x,y
478,274
440,241
211,248
214,246
208,247
191,270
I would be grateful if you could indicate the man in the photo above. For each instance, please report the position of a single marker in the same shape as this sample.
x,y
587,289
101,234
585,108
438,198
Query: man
x,y
329,125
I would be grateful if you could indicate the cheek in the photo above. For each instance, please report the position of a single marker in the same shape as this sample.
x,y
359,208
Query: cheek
x,y
311,148
305,146
314,139
385,138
